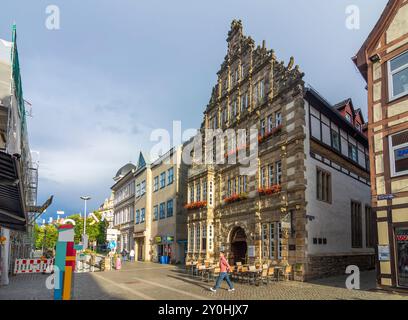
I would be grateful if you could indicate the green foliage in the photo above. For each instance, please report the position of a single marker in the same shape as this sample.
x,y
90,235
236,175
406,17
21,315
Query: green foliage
x,y
45,236
96,231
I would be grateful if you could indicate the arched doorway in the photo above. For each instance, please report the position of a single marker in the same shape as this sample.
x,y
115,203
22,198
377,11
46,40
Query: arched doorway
x,y
238,245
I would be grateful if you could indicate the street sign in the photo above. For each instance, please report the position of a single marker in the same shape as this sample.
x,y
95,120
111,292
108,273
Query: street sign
x,y
385,197
384,253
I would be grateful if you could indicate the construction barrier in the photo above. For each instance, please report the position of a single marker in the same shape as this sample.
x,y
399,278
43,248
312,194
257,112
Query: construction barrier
x,y
33,266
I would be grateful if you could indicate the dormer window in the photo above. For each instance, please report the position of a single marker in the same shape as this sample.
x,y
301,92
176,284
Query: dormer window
x,y
348,117
358,127
398,76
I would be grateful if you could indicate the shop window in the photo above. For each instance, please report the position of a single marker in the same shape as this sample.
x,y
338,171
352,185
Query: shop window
x,y
401,243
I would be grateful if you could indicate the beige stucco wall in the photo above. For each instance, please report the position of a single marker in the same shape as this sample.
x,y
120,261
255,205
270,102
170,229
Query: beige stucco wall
x,y
399,26
382,233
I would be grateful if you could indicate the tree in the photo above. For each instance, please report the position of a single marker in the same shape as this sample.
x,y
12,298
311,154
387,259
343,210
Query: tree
x,y
47,235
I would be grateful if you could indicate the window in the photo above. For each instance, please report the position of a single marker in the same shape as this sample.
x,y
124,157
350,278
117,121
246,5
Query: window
x,y
263,177
370,227
399,153
191,193
191,239
356,225
162,210
205,190
229,188
352,152
204,237
246,100
142,215
265,241
262,127
358,127
170,176
323,185
398,76
261,90
278,119
278,166
210,237
197,237
244,183
235,108
138,190
348,117
280,243
170,208
271,175
270,123
198,191
162,180
155,213
137,216
156,183
272,245
335,138
143,188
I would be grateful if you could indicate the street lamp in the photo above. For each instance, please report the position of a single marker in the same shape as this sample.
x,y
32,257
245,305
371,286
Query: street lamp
x,y
85,198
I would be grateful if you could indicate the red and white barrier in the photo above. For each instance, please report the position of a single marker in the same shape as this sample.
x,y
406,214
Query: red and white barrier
x,y
33,266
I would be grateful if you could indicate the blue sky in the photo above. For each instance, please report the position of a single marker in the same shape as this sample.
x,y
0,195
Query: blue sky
x,y
117,70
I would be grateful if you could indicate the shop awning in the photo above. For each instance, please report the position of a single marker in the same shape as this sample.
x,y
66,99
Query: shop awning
x,y
13,213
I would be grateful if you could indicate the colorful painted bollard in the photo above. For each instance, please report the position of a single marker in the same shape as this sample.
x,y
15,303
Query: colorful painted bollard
x,y
64,262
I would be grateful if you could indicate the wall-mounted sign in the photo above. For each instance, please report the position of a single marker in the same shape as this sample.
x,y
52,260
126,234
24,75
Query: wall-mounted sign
x,y
384,253
385,197
157,239
251,251
169,239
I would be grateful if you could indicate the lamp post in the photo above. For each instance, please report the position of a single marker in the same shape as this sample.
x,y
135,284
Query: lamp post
x,y
85,198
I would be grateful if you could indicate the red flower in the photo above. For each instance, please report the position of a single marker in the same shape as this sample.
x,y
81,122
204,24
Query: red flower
x,y
196,205
271,190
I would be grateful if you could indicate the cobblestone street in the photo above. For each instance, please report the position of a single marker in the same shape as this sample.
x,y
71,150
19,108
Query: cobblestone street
x,y
154,281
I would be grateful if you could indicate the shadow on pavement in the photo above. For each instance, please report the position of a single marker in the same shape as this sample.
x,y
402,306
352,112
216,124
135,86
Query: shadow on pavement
x,y
33,287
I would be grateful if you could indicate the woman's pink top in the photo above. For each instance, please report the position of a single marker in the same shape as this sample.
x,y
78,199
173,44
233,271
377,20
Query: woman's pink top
x,y
224,266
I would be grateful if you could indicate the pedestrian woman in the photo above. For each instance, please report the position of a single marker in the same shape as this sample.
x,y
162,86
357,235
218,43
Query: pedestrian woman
x,y
224,269
132,255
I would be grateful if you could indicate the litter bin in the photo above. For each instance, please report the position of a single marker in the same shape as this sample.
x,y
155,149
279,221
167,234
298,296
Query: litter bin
x,y
162,259
167,259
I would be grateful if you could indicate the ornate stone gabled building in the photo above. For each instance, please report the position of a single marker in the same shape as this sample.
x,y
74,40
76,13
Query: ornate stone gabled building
x,y
259,211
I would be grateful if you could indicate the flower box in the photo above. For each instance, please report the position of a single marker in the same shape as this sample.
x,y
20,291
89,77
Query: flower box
x,y
271,190
267,134
230,153
196,205
236,198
